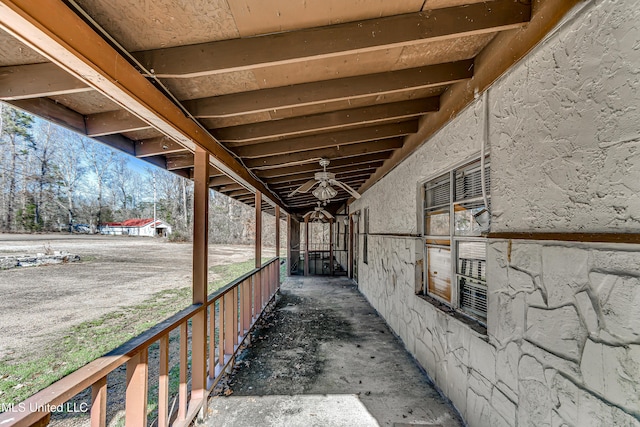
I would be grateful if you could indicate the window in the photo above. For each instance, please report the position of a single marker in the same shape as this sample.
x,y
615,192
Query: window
x,y
455,218
365,242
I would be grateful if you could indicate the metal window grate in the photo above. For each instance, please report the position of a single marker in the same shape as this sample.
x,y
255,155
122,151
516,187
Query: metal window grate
x,y
469,182
437,192
473,297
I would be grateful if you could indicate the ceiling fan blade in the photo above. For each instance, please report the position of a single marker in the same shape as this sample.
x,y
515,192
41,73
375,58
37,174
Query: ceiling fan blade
x,y
327,214
344,186
304,187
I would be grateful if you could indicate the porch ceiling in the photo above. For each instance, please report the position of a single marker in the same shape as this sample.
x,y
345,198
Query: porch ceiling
x,y
277,85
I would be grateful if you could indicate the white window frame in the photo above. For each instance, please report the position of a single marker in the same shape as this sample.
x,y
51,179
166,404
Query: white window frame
x,y
429,241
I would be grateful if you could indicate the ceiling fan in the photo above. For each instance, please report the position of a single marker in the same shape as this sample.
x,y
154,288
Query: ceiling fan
x,y
325,180
317,213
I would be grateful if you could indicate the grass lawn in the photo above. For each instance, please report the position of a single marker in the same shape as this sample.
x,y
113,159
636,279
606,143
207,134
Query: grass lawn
x,y
24,376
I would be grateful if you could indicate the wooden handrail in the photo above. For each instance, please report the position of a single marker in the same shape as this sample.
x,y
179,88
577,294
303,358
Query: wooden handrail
x,y
36,406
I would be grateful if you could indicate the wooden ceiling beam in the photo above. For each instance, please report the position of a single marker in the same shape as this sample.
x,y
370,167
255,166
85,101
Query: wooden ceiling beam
x,y
372,159
37,81
229,187
157,146
310,175
329,153
272,130
112,122
180,161
340,138
64,38
293,96
334,40
220,181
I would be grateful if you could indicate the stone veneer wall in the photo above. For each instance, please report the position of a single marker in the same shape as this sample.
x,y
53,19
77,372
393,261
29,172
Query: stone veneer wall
x,y
563,329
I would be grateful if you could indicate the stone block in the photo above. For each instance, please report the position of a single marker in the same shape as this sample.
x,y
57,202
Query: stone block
x,y
619,301
457,379
519,281
565,272
614,373
527,257
593,412
558,331
482,358
507,365
479,384
568,367
587,312
478,410
565,397
503,406
534,402
508,312
458,337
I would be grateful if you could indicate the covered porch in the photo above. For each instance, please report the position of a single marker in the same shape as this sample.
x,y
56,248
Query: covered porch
x,y
323,356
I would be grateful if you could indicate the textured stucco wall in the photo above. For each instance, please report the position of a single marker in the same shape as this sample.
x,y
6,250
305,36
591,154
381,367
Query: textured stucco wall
x,y
563,341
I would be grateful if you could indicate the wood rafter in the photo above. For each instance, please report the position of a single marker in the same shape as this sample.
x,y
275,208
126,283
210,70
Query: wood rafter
x,y
269,131
36,81
112,122
157,146
340,138
324,91
375,158
330,153
349,38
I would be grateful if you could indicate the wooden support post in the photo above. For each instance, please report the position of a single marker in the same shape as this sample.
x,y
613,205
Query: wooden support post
x,y
277,231
289,249
163,383
258,229
182,388
306,246
136,394
200,276
99,403
331,247
350,264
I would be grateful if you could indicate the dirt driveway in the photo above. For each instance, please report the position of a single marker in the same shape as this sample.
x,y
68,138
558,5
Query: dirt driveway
x,y
38,304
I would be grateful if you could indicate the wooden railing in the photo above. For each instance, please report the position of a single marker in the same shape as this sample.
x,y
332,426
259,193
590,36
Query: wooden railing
x,y
238,306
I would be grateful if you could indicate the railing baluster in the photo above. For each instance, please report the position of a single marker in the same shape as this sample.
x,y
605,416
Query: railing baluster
x,y
236,317
99,403
163,383
212,340
221,331
246,305
136,394
228,323
256,295
182,390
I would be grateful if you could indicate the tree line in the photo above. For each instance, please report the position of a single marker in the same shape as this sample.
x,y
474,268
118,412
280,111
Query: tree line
x,y
52,179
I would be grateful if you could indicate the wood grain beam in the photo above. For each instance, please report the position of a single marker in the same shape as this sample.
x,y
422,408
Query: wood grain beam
x,y
180,161
112,122
309,175
329,153
495,59
373,159
334,40
340,138
67,40
219,181
330,90
157,146
37,81
297,126
53,112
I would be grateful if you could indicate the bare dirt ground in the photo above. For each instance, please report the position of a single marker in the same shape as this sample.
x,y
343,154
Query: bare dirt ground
x,y
39,304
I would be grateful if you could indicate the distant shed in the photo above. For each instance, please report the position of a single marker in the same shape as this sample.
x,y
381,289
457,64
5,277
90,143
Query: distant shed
x,y
136,227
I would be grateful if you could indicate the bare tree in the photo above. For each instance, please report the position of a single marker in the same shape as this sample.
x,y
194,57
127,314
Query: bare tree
x,y
69,172
99,159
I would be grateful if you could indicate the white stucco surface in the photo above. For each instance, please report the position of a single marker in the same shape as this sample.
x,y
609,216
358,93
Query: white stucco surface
x,y
562,345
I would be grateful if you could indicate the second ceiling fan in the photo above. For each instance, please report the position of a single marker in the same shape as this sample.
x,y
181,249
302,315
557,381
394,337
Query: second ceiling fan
x,y
325,180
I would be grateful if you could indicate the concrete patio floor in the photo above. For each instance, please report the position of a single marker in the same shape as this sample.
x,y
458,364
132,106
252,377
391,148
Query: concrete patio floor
x,y
323,357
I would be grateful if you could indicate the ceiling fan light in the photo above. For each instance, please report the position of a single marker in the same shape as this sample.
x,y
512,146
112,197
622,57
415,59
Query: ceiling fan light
x,y
325,192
